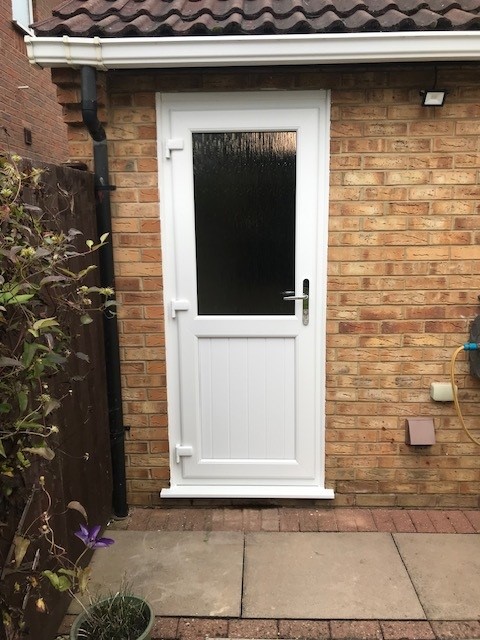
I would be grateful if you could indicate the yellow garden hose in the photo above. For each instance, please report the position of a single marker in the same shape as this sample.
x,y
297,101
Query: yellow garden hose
x,y
455,394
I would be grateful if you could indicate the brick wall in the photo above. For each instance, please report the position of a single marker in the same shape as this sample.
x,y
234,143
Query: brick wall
x,y
403,272
35,107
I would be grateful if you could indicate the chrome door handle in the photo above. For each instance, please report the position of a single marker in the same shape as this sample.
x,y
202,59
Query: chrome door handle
x,y
290,295
304,297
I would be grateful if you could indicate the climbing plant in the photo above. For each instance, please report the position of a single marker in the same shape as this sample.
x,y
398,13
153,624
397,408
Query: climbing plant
x,y
44,287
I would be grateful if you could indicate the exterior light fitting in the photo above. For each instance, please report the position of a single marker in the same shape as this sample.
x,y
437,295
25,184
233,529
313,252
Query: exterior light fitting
x,y
433,97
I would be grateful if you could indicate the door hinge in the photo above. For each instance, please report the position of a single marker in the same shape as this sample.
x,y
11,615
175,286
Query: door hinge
x,y
182,451
179,305
173,144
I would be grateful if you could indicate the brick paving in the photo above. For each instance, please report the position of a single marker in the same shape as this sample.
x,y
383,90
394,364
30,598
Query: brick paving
x,y
236,629
250,519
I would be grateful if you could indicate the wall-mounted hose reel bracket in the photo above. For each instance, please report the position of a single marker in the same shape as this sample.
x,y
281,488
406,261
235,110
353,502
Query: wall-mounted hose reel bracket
x,y
474,354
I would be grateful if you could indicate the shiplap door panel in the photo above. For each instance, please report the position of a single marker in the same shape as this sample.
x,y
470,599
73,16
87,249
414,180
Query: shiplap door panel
x,y
247,398
245,369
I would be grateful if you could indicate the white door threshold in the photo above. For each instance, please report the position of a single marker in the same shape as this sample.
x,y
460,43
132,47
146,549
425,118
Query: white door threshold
x,y
242,491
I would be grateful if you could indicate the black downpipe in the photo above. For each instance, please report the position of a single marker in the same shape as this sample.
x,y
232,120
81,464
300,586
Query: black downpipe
x,y
107,279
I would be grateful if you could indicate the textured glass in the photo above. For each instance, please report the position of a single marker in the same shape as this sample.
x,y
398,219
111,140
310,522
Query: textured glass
x,y
245,221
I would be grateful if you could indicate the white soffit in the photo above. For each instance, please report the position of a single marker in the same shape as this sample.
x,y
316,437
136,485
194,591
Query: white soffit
x,y
233,51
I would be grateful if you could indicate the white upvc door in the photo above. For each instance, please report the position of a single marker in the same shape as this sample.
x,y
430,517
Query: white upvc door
x,y
244,228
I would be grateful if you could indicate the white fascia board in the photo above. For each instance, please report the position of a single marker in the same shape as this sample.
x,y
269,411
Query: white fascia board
x,y
233,51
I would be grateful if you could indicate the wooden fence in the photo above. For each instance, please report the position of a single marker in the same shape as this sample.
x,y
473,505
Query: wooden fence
x,y
81,470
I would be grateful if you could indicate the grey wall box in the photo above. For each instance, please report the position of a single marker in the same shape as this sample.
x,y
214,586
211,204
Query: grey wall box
x,y
420,432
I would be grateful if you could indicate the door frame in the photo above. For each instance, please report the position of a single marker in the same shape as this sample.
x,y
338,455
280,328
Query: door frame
x,y
191,101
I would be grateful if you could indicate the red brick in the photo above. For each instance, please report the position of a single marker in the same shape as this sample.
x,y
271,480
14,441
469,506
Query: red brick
x,y
35,107
252,520
289,519
346,519
353,630
159,519
233,520
139,519
456,630
252,629
270,520
364,520
165,629
199,628
326,520
308,520
440,521
194,520
422,522
304,629
384,520
460,522
216,519
176,520
407,630
474,518
403,522
390,312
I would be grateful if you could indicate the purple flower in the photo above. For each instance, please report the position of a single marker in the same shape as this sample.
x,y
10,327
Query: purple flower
x,y
90,537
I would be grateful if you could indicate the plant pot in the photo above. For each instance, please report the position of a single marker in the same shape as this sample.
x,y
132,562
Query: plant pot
x,y
116,605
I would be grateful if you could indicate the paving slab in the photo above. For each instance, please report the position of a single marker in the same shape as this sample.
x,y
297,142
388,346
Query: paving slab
x,y
188,573
445,569
349,576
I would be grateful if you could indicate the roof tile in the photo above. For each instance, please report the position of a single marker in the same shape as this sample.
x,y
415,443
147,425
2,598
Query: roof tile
x,y
123,18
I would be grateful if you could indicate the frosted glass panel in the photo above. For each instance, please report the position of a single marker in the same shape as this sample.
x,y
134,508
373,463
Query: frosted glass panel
x,y
244,187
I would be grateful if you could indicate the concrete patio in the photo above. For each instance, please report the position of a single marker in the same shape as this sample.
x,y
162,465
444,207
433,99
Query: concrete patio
x,y
421,582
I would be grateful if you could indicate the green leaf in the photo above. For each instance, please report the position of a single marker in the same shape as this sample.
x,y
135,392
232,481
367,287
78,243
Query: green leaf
x,y
29,425
85,319
64,583
67,572
29,350
89,243
2,450
45,323
67,272
54,579
82,356
5,407
38,368
22,398
20,299
23,460
60,582
10,362
53,359
83,272
103,237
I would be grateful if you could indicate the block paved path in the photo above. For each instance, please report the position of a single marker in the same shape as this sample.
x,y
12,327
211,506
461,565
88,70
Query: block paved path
x,y
287,519
302,519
